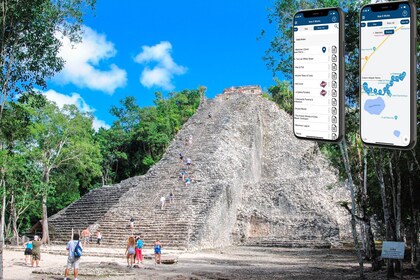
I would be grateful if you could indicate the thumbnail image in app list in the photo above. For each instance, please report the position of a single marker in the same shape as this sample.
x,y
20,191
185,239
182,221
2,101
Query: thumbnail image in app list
x,y
385,81
316,85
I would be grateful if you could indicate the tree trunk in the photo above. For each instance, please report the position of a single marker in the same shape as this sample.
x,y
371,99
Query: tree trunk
x,y
393,192
370,240
13,218
363,232
3,215
45,232
380,175
414,225
398,202
344,153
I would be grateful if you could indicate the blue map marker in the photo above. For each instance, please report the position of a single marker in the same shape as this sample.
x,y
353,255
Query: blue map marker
x,y
324,49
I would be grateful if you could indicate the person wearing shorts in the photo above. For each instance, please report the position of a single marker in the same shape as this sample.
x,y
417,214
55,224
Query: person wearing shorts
x,y
28,252
86,235
72,261
36,251
158,251
130,251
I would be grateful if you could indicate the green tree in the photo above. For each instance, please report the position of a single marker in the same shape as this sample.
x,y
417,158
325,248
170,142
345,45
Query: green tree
x,y
61,139
29,41
282,94
139,136
29,48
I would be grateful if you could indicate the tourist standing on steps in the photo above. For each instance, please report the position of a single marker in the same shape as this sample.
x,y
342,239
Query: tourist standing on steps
x,y
132,225
86,235
188,163
190,139
139,247
183,173
181,157
98,238
162,202
187,181
171,197
36,251
130,251
28,252
72,261
157,246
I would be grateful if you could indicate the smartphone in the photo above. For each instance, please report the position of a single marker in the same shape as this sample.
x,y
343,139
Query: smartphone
x,y
318,74
388,75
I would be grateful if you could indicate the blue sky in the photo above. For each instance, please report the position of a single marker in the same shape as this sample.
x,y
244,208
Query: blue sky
x,y
139,47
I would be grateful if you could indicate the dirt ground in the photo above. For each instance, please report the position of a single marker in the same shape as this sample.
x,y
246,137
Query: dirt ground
x,y
227,263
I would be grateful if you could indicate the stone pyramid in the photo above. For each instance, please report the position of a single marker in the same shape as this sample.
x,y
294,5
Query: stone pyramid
x,y
253,183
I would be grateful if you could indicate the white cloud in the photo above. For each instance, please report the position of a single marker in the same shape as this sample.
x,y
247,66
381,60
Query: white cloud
x,y
62,99
165,69
97,124
75,99
82,59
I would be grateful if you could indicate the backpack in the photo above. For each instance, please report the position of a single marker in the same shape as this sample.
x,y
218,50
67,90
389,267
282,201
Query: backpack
x,y
78,250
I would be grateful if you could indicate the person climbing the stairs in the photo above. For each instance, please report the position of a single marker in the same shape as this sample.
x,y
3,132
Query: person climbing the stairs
x,y
187,181
157,246
183,173
132,225
130,251
98,238
171,197
162,202
181,157
188,163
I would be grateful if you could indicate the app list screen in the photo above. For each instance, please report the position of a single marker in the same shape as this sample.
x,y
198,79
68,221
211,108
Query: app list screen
x,y
385,76
316,76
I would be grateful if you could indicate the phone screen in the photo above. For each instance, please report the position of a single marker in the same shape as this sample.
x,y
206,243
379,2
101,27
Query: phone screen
x,y
385,82
316,74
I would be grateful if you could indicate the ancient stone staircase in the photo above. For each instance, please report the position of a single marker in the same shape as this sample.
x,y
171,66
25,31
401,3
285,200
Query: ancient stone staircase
x,y
84,212
253,183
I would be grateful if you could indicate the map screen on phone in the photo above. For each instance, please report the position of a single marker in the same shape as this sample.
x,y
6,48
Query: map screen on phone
x,y
316,80
385,75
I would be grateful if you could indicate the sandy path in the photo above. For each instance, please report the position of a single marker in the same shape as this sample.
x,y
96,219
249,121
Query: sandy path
x,y
229,263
